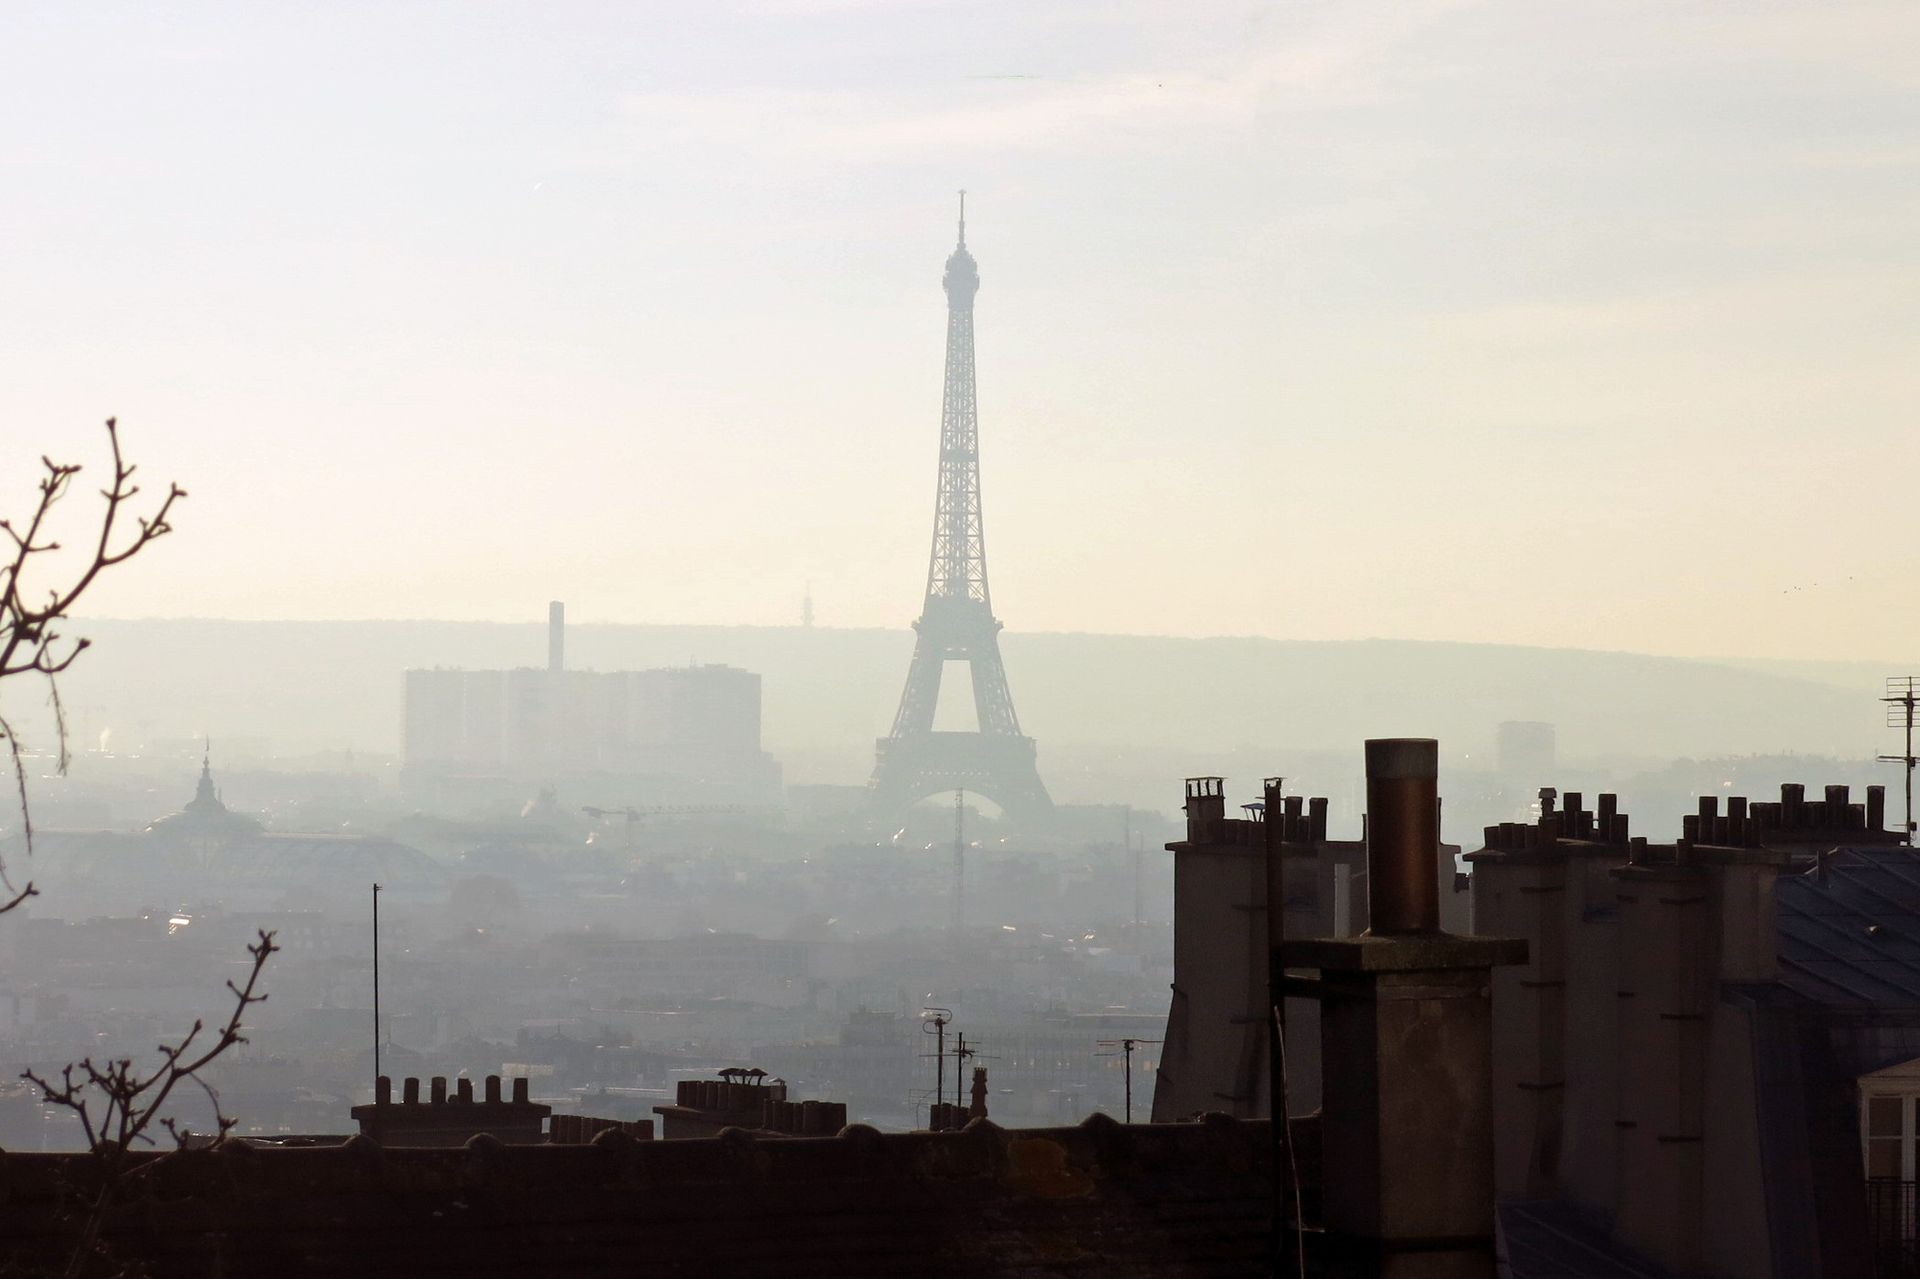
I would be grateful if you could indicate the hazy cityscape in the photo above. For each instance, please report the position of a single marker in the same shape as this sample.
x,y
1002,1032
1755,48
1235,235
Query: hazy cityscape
x,y
1432,795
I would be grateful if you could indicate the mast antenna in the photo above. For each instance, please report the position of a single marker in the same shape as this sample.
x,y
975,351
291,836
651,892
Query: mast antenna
x,y
934,1021
1903,691
376,989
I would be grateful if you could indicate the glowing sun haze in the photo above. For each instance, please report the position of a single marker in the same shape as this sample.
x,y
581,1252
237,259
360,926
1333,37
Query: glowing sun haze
x,y
1591,323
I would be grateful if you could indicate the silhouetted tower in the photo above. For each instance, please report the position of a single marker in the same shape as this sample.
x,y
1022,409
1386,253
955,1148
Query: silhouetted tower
x,y
957,623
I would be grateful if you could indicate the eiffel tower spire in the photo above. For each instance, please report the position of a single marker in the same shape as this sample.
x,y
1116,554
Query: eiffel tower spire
x,y
956,621
958,566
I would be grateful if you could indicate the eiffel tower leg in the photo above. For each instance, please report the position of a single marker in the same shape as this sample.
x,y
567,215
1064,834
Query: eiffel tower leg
x,y
992,700
921,697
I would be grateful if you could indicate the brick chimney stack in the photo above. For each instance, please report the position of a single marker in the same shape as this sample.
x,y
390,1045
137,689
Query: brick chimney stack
x,y
1406,1033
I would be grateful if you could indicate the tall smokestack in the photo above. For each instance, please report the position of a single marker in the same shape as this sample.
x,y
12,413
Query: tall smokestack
x,y
556,636
1403,835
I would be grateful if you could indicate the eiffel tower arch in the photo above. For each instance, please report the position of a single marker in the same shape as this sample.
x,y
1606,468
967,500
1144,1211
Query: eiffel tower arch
x,y
957,622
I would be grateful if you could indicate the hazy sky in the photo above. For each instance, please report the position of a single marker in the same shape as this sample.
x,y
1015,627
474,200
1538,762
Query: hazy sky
x,y
1578,323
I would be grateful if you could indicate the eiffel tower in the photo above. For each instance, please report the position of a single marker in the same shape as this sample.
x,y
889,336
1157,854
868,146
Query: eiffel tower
x,y
957,623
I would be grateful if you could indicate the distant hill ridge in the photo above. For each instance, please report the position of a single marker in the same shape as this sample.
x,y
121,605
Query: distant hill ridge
x,y
828,693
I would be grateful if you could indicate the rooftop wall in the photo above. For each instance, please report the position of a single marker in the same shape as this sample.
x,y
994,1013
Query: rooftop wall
x,y
1098,1199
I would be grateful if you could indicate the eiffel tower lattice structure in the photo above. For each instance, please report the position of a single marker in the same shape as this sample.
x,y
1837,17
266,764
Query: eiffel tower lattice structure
x,y
957,622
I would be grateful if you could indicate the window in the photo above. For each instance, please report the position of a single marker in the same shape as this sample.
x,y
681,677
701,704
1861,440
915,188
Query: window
x,y
1890,1135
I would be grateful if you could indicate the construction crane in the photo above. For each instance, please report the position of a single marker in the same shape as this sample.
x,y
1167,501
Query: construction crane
x,y
635,816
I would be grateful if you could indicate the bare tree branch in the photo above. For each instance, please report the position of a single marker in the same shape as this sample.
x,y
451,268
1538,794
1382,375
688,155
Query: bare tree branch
x,y
121,1106
31,642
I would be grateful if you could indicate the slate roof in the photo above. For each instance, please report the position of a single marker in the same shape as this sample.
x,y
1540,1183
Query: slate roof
x,y
1849,930
1558,1239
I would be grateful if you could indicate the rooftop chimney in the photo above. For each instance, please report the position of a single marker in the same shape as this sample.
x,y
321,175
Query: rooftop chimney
x,y
556,636
1206,807
1403,834
1406,1049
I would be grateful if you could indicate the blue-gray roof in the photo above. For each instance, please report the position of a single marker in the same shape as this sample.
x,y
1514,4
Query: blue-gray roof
x,y
1849,929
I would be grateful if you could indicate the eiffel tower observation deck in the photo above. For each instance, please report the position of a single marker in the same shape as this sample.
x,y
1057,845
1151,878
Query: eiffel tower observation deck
x,y
957,623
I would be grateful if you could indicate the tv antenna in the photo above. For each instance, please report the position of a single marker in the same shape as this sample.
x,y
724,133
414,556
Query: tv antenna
x,y
961,1053
934,1021
1902,693
1125,1049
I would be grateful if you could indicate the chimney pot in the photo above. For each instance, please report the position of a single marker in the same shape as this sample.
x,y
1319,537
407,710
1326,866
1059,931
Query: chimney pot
x,y
493,1090
410,1091
383,1091
1403,834
439,1087
1206,805
520,1097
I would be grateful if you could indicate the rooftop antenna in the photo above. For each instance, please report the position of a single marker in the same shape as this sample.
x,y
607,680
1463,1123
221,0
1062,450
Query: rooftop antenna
x,y
1125,1047
963,217
959,861
376,990
939,1019
1902,693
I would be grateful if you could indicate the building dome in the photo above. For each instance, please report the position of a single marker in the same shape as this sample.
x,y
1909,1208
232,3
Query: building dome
x,y
205,814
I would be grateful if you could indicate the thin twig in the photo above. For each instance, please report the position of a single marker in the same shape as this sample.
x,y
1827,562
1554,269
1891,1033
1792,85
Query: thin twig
x,y
120,1107
31,642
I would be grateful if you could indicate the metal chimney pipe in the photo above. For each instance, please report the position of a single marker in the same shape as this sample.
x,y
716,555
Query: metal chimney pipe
x,y
556,636
1403,835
